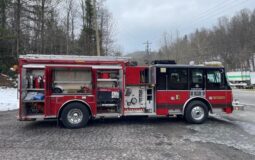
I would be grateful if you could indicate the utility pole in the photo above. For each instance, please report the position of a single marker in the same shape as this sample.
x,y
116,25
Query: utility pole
x,y
96,29
147,50
147,47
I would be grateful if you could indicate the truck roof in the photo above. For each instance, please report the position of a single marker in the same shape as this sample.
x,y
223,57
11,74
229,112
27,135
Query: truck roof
x,y
72,57
185,66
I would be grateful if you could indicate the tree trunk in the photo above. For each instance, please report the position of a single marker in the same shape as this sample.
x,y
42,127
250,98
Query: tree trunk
x,y
67,32
253,61
18,28
3,13
42,26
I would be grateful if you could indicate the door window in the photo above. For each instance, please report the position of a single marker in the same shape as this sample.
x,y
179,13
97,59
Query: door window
x,y
215,79
172,79
197,80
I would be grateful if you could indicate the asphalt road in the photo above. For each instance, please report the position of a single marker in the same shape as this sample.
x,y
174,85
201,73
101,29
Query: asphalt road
x,y
221,137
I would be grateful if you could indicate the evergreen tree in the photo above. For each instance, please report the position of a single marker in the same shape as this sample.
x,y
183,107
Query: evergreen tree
x,y
88,38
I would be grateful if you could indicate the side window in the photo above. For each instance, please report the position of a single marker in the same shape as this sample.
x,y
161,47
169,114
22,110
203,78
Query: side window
x,y
215,79
144,76
161,78
197,80
177,79
172,78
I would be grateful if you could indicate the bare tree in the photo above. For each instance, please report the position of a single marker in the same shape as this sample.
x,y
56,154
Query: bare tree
x,y
230,41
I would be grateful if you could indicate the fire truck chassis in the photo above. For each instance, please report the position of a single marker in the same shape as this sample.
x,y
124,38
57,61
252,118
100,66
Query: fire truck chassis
x,y
74,89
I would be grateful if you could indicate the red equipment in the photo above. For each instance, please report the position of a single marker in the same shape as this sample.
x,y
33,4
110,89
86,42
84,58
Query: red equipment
x,y
77,88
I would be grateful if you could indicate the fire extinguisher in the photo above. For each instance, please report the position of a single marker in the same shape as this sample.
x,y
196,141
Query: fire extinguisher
x,y
31,81
43,81
38,82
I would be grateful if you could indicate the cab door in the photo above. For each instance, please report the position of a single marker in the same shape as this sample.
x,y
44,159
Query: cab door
x,y
171,90
216,88
197,82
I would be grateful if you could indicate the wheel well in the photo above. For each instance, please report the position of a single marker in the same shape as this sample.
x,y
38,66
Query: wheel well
x,y
199,99
75,101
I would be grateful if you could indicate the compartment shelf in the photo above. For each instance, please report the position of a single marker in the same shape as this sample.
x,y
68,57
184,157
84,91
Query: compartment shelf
x,y
33,101
34,89
107,105
107,80
77,82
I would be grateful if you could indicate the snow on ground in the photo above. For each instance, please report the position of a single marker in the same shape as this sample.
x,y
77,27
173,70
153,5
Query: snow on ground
x,y
8,99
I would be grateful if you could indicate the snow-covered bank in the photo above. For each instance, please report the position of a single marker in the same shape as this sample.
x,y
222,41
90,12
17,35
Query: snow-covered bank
x,y
8,99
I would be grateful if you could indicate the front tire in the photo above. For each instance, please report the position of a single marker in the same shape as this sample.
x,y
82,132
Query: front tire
x,y
75,115
196,112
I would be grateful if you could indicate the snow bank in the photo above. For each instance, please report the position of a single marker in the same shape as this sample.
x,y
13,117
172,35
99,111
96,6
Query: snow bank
x,y
8,99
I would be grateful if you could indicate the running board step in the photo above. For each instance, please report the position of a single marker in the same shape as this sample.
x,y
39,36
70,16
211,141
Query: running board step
x,y
108,115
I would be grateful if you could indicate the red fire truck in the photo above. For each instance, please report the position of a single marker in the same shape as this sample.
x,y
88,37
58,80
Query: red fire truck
x,y
75,89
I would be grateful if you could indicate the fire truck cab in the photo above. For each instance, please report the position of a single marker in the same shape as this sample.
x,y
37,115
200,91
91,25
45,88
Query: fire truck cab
x,y
75,89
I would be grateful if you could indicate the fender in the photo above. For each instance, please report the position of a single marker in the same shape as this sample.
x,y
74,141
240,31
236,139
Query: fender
x,y
74,100
199,98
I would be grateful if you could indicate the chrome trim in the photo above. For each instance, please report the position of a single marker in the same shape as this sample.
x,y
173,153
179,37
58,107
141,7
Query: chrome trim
x,y
139,114
197,113
108,115
106,67
110,66
175,112
74,57
75,94
33,66
74,100
50,116
190,99
74,116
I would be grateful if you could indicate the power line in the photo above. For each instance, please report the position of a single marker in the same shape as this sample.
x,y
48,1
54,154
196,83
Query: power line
x,y
216,13
219,11
204,14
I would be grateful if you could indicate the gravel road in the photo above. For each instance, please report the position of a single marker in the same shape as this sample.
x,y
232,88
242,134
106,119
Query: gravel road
x,y
127,138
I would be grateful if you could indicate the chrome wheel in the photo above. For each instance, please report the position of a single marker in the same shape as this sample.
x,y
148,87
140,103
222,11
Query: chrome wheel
x,y
197,113
75,116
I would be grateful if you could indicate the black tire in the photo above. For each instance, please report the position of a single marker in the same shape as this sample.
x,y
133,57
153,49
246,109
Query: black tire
x,y
72,109
196,112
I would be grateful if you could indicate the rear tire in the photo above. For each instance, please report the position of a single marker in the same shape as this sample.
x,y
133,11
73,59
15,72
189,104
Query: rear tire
x,y
75,115
196,112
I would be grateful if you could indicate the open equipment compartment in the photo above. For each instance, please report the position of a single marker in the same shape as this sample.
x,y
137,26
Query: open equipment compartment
x,y
32,91
71,80
139,92
109,89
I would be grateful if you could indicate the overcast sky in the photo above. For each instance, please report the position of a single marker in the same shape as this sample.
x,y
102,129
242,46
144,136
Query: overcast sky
x,y
137,21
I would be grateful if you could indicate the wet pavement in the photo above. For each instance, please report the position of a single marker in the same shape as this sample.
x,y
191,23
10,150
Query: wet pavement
x,y
127,138
221,137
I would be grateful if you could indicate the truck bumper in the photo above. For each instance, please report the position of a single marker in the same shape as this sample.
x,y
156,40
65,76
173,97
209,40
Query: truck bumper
x,y
237,106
